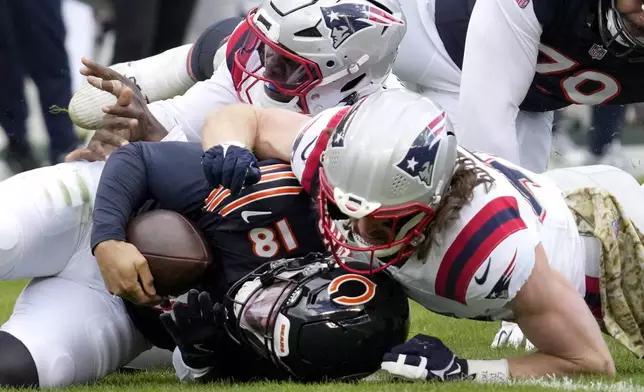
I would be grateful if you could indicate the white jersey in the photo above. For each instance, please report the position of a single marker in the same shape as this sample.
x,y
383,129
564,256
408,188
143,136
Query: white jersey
x,y
482,260
187,112
493,123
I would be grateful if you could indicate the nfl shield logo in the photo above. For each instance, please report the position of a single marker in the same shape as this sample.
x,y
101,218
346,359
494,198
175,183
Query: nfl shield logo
x,y
597,52
523,3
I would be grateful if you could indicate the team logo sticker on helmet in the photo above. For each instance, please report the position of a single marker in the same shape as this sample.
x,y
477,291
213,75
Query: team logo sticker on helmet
x,y
281,333
355,298
346,19
420,157
343,119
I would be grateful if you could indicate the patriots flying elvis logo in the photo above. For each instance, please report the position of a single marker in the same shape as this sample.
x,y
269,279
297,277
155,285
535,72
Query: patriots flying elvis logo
x,y
346,19
420,157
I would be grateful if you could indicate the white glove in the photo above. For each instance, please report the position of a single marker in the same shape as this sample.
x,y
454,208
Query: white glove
x,y
510,335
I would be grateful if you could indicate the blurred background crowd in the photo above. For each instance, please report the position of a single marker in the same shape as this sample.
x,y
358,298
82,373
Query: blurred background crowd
x,y
42,41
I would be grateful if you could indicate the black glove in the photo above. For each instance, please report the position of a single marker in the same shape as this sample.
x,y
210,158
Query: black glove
x,y
231,166
424,358
197,328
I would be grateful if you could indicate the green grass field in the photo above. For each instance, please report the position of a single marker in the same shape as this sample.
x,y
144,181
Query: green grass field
x,y
469,339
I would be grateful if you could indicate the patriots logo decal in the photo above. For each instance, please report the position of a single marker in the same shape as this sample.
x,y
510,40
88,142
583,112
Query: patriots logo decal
x,y
502,287
346,19
419,160
347,115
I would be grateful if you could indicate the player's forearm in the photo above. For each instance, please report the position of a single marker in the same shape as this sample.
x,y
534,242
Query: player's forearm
x,y
233,123
531,366
539,365
535,365
568,346
122,189
555,318
270,133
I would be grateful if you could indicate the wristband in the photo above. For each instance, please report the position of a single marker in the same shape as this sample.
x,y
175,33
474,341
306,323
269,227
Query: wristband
x,y
233,143
226,145
489,371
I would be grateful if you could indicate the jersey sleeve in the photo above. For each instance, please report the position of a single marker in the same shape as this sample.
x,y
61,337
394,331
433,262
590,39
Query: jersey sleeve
x,y
490,258
188,112
169,173
310,143
206,52
498,68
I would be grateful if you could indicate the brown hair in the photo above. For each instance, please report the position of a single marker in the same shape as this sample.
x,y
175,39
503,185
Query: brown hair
x,y
460,192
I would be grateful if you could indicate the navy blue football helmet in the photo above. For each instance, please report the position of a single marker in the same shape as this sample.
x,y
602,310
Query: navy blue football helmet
x,y
316,320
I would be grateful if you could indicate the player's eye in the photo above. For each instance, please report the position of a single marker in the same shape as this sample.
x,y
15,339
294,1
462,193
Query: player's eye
x,y
378,236
375,231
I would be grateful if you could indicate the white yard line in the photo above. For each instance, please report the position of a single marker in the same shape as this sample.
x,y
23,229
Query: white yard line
x,y
573,385
564,384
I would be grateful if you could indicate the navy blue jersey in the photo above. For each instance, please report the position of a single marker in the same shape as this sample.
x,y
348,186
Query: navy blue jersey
x,y
272,219
573,66
269,220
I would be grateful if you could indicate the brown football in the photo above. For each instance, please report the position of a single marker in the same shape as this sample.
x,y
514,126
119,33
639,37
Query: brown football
x,y
175,250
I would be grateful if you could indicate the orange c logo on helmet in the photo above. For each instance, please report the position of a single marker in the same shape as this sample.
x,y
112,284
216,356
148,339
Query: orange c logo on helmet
x,y
369,292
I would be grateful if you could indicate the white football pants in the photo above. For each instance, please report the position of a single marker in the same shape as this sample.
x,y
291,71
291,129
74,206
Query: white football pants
x,y
74,329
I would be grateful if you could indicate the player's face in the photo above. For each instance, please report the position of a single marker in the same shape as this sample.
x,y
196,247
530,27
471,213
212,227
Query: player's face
x,y
374,231
283,71
633,13
629,6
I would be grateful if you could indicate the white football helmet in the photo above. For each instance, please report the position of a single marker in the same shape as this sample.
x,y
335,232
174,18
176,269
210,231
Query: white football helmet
x,y
390,159
314,55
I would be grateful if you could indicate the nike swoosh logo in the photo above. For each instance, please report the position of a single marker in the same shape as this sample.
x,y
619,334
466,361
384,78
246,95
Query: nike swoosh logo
x,y
483,278
500,340
455,371
247,214
305,152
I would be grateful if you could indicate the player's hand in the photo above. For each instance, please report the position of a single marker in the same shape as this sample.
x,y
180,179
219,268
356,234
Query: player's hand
x,y
510,335
126,272
232,166
114,132
146,127
197,328
424,358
